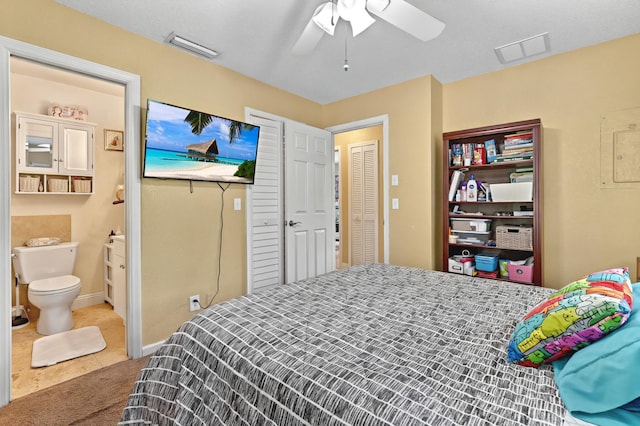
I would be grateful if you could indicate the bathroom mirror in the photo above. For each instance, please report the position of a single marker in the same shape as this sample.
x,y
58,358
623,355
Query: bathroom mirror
x,y
39,146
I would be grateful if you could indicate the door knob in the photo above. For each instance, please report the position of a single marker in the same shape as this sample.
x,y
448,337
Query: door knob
x,y
292,223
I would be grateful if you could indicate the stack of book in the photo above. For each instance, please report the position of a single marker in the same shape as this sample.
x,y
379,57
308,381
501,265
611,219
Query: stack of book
x,y
517,147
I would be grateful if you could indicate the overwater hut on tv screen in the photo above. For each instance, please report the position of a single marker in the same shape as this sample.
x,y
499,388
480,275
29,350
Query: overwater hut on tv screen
x,y
182,143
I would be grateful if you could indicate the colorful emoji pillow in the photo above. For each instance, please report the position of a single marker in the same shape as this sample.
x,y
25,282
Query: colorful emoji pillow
x,y
572,318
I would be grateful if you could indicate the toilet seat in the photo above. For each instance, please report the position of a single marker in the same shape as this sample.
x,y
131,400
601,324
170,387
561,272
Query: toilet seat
x,y
54,285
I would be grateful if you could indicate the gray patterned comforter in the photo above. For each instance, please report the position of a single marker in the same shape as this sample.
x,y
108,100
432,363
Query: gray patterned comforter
x,y
370,345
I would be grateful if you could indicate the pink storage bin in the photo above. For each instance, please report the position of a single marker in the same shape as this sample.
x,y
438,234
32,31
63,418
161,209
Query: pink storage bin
x,y
520,273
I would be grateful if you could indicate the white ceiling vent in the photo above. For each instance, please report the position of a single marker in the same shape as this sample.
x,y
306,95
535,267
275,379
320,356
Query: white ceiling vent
x,y
522,49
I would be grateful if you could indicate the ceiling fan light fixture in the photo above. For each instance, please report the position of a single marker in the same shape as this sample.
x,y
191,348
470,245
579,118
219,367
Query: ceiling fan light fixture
x,y
326,17
355,12
377,6
191,46
361,23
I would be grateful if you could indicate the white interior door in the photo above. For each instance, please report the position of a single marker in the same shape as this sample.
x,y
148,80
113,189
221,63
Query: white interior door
x,y
363,202
309,201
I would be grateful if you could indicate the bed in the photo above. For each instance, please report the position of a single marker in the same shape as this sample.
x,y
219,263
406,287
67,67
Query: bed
x,y
370,345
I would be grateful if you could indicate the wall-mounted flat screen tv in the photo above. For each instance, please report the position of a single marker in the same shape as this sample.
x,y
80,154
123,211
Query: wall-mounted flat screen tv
x,y
181,143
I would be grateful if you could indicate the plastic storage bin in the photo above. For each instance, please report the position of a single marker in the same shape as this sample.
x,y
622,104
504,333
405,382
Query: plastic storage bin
x,y
472,237
520,191
486,262
521,273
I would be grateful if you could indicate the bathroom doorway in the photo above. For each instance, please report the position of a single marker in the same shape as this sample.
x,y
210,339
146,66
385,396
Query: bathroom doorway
x,y
85,218
130,219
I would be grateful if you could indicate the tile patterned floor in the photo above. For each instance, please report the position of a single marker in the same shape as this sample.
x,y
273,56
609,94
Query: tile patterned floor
x,y
26,380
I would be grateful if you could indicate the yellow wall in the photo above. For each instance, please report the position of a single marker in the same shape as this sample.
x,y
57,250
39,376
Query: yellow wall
x,y
343,140
586,228
412,133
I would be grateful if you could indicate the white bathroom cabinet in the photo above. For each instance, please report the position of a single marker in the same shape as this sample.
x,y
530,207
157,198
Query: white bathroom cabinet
x,y
53,155
115,279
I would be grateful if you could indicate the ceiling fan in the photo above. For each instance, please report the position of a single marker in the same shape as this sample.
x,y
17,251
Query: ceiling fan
x,y
357,12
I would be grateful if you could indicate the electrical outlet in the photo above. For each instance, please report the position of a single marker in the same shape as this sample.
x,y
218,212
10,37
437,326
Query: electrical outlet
x,y
194,303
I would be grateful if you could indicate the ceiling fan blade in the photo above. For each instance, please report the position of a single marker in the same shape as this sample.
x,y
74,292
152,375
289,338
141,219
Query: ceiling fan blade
x,y
308,39
410,19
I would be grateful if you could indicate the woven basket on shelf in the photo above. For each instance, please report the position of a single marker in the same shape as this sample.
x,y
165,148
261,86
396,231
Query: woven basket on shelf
x,y
514,237
29,183
82,185
58,185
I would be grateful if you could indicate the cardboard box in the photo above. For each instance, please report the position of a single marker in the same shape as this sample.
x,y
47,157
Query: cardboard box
x,y
462,265
505,192
521,273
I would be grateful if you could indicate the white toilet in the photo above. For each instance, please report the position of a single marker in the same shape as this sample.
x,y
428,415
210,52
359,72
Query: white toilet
x,y
47,270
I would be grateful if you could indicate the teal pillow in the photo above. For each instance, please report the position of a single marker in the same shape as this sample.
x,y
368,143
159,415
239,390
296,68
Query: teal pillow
x,y
605,375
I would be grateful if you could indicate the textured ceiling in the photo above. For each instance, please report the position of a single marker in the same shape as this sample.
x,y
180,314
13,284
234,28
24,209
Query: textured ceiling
x,y
256,37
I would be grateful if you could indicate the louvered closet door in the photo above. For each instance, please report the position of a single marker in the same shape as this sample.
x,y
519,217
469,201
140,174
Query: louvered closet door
x,y
266,225
363,202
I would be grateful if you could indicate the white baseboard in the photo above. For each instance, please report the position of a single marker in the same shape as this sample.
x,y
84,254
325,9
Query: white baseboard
x,y
150,349
85,300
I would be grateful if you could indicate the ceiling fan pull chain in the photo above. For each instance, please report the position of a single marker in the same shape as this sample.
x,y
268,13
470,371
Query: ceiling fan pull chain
x,y
346,61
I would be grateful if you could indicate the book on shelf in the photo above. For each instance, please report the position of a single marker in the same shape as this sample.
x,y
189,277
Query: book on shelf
x,y
524,146
456,179
514,154
492,151
509,159
518,141
519,135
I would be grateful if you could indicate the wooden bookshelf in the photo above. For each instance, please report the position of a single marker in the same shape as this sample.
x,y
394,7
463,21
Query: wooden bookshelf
x,y
501,213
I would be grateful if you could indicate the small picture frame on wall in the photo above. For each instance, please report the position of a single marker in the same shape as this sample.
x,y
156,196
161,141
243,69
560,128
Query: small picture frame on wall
x,y
113,140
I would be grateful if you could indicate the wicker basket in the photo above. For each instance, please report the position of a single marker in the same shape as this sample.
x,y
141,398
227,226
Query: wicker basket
x,y
82,185
58,185
514,237
29,183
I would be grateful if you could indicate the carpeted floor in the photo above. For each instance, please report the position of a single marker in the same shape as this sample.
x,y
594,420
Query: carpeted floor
x,y
97,398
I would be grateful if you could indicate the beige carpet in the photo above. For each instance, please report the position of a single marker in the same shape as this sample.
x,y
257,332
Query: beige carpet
x,y
59,347
95,399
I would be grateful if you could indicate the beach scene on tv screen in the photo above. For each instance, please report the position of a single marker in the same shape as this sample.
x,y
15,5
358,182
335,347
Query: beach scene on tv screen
x,y
187,144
